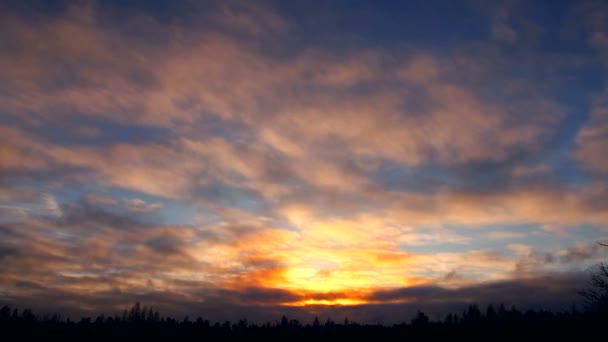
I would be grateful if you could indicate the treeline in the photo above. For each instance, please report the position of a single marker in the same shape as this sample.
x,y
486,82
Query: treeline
x,y
146,323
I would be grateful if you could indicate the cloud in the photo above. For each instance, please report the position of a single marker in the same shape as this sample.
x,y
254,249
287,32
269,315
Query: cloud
x,y
592,139
130,204
530,205
16,151
536,292
501,28
579,253
181,94
51,206
592,16
251,19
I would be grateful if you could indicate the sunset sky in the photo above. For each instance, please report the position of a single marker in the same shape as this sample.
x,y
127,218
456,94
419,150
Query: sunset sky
x,y
259,158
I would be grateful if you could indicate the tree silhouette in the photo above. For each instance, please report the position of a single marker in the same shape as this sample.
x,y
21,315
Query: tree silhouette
x,y
421,319
141,323
597,296
316,322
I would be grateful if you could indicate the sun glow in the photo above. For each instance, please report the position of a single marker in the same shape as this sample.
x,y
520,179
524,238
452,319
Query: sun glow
x,y
338,301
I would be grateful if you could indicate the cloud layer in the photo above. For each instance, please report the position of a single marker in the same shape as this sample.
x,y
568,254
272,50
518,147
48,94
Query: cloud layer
x,y
229,154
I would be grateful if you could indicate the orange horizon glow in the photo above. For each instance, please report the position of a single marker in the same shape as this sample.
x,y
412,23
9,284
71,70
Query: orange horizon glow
x,y
329,302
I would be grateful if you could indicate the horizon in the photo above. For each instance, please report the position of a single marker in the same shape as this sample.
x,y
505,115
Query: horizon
x,y
139,313
270,158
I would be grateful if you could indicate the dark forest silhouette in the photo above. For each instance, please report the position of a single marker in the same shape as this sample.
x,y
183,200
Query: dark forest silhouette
x,y
146,323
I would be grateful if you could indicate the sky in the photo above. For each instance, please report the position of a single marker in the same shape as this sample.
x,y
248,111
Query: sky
x,y
251,159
